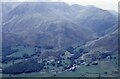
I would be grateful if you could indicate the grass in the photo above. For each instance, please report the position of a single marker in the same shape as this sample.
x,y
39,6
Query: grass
x,y
104,65
22,50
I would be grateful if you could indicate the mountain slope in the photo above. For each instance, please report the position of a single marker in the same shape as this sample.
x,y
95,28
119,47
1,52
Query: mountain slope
x,y
108,42
38,26
54,24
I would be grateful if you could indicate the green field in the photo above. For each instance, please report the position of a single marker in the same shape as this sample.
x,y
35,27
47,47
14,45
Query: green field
x,y
105,67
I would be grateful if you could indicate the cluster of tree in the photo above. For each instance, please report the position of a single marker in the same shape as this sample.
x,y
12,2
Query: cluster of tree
x,y
70,49
26,55
7,51
46,47
7,59
104,55
27,66
77,54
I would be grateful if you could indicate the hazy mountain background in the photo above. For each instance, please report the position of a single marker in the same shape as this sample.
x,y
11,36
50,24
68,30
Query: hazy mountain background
x,y
54,23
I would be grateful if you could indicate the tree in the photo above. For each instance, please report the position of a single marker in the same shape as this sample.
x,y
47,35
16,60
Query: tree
x,y
25,55
70,49
105,72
